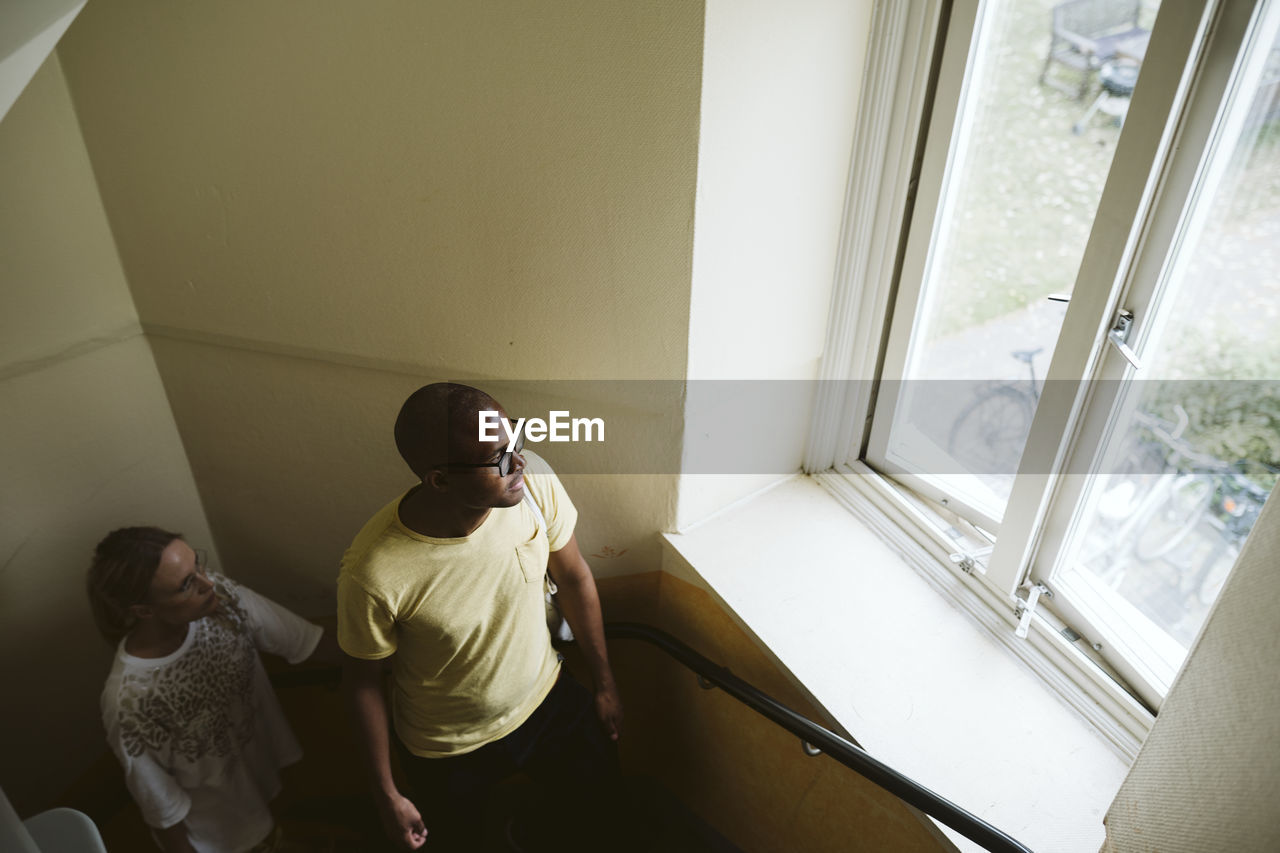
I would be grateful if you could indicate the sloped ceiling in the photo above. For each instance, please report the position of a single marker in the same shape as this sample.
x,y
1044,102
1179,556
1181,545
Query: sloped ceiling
x,y
29,30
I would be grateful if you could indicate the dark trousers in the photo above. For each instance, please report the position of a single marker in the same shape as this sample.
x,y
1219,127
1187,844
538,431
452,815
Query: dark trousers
x,y
561,748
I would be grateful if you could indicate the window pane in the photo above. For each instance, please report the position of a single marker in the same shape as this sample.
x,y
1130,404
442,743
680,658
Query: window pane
x,y
1194,448
1038,127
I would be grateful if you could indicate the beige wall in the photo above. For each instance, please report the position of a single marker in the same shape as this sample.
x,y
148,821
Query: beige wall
x,y
321,206
1207,777
89,442
739,772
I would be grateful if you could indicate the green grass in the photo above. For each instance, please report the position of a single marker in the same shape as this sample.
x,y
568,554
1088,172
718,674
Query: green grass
x,y
1025,203
1031,187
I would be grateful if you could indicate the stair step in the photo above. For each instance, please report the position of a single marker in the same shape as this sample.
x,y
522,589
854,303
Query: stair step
x,y
660,823
679,829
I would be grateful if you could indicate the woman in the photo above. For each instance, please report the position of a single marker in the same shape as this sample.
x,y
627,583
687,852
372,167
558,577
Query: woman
x,y
187,707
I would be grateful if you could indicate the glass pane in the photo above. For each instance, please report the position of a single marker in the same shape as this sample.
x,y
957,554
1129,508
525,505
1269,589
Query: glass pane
x,y
1194,448
1038,126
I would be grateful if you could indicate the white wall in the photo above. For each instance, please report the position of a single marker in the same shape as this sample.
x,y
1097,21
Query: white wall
x,y
780,84
89,441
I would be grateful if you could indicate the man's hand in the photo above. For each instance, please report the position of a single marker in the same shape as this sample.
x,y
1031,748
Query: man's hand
x,y
609,710
362,684
402,822
581,605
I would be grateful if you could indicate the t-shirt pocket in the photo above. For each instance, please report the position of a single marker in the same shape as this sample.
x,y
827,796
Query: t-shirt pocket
x,y
532,556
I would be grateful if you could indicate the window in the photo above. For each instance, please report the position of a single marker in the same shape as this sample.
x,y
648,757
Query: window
x,y
1073,389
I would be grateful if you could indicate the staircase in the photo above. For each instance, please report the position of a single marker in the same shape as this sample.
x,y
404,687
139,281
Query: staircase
x,y
324,807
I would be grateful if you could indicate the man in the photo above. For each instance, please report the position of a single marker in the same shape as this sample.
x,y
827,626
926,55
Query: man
x,y
448,582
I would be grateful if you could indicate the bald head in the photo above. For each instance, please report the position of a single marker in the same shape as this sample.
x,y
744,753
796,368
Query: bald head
x,y
438,424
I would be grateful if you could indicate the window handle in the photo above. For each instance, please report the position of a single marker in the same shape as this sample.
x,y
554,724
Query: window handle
x,y
1119,337
1025,609
1119,334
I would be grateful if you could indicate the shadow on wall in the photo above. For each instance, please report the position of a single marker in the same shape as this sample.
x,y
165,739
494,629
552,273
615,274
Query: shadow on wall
x,y
292,455
746,777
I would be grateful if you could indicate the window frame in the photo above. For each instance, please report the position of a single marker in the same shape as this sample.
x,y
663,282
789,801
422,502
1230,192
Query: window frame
x,y
1189,168
911,93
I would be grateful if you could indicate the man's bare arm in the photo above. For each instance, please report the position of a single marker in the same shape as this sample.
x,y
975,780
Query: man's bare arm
x,y
362,686
581,606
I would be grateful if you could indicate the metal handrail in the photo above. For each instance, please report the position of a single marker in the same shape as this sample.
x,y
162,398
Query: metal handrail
x,y
850,755
814,737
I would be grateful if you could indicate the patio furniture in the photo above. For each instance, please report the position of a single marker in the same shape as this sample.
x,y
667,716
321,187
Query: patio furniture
x,y
1118,78
1085,35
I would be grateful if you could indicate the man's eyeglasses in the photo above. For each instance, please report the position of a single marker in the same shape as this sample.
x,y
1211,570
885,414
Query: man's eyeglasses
x,y
503,463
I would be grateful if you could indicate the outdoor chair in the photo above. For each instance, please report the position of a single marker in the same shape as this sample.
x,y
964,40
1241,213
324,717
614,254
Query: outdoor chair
x,y
1085,35
1117,78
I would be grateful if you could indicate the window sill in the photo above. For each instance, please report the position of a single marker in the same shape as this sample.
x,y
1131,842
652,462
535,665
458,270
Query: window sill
x,y
919,683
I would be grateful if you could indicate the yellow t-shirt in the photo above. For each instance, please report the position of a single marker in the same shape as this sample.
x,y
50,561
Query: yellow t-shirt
x,y
465,617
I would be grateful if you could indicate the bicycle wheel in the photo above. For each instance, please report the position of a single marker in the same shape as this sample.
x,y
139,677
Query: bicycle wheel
x,y
1216,576
1101,548
1176,516
989,434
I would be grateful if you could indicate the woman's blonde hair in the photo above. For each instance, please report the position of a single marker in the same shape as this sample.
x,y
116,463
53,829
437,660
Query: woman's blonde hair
x,y
120,576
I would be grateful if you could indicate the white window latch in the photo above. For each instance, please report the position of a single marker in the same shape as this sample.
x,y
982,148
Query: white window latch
x,y
1024,609
1119,337
967,561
